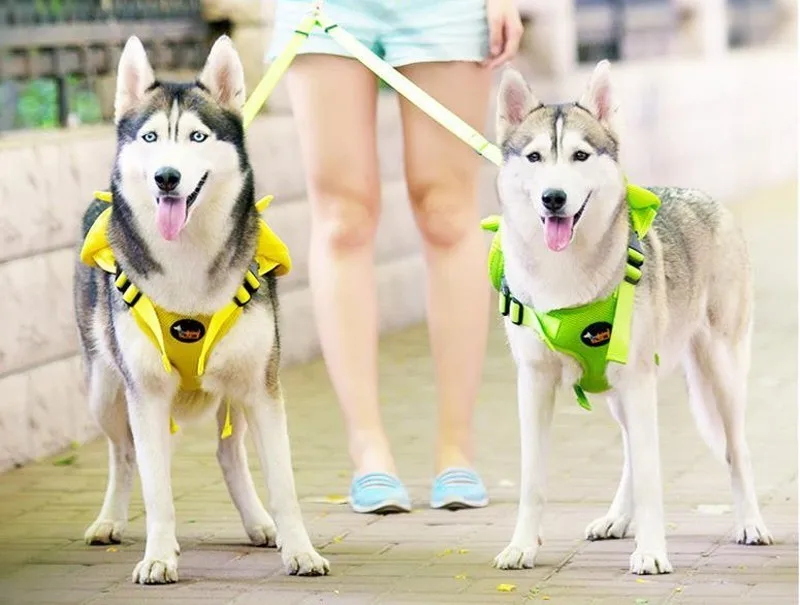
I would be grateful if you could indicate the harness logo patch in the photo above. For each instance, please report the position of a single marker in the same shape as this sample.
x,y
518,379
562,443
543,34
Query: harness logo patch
x,y
597,334
187,330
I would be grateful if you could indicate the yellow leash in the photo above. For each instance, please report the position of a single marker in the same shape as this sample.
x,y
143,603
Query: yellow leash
x,y
379,67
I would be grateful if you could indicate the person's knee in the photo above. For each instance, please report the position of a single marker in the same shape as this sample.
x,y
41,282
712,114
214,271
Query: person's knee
x,y
445,211
345,217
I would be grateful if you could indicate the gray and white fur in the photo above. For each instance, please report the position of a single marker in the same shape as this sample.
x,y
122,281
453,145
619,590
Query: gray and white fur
x,y
565,230
189,258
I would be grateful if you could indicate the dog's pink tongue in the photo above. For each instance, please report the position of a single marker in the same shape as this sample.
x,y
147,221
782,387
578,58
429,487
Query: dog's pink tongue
x,y
171,216
557,232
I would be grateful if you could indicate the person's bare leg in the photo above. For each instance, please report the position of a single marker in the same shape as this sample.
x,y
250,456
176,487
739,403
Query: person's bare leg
x,y
442,174
334,103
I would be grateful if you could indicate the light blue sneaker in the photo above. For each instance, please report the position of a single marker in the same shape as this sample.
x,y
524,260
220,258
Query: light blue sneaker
x,y
379,493
457,488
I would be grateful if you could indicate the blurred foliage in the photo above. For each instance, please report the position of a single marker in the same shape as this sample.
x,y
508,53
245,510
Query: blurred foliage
x,y
34,103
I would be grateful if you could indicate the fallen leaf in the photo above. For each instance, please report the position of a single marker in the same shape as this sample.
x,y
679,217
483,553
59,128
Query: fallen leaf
x,y
641,581
506,587
641,601
545,597
328,499
463,551
338,539
713,509
679,589
461,576
445,552
66,460
111,549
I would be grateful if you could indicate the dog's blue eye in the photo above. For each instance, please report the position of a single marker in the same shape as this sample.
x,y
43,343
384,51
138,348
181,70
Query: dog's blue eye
x,y
198,137
580,156
534,157
150,137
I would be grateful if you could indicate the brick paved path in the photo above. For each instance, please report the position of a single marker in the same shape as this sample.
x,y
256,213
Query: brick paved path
x,y
440,557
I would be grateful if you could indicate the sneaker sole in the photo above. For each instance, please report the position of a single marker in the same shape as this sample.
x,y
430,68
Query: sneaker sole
x,y
459,504
384,508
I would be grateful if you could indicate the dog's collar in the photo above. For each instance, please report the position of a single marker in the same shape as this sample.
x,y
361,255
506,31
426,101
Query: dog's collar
x,y
185,342
594,334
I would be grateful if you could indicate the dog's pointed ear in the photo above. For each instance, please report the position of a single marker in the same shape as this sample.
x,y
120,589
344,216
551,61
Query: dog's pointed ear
x,y
223,75
597,98
134,77
514,102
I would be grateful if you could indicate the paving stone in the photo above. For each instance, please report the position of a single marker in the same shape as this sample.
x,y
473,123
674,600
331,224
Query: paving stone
x,y
436,557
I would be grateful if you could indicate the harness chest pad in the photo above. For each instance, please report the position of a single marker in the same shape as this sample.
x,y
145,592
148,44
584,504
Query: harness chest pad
x,y
592,334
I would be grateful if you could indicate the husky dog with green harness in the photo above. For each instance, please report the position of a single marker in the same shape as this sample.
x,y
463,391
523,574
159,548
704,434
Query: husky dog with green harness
x,y
603,284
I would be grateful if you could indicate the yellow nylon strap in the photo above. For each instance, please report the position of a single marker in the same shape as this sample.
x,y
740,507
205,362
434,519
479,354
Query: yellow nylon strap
x,y
219,324
412,92
264,203
103,196
95,251
276,70
145,315
227,428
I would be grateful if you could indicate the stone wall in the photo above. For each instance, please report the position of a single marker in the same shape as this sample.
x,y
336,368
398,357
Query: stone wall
x,y
726,124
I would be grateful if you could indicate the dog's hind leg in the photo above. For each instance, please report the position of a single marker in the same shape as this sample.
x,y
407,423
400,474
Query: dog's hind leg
x,y
107,403
615,523
266,417
716,372
232,457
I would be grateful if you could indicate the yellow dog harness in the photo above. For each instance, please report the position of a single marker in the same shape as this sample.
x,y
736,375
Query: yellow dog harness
x,y
185,342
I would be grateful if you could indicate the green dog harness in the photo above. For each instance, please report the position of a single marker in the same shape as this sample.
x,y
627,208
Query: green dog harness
x,y
592,334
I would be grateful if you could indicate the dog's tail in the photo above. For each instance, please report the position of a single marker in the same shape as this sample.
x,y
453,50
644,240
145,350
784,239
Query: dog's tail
x,y
709,423
716,374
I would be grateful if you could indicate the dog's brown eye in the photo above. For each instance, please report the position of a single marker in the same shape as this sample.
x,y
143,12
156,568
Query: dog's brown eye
x,y
580,156
534,157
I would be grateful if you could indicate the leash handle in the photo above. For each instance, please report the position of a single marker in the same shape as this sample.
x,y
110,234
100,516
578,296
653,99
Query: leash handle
x,y
276,70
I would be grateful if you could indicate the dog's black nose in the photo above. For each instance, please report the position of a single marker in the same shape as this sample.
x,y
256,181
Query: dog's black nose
x,y
167,178
554,199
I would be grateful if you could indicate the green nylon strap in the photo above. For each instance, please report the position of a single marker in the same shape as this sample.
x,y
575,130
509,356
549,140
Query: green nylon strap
x,y
644,206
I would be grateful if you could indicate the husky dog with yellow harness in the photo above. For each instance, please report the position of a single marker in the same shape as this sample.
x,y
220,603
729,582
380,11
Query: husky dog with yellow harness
x,y
602,285
177,309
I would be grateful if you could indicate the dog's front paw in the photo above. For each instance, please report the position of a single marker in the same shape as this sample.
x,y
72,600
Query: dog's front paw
x,y
156,571
608,527
516,557
263,534
104,531
753,533
305,563
650,562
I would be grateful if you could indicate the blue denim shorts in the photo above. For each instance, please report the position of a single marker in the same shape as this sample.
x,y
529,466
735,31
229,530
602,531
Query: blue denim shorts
x,y
401,32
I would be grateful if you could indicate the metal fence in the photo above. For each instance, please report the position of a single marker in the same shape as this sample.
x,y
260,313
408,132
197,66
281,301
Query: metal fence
x,y
52,51
625,29
60,46
751,21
